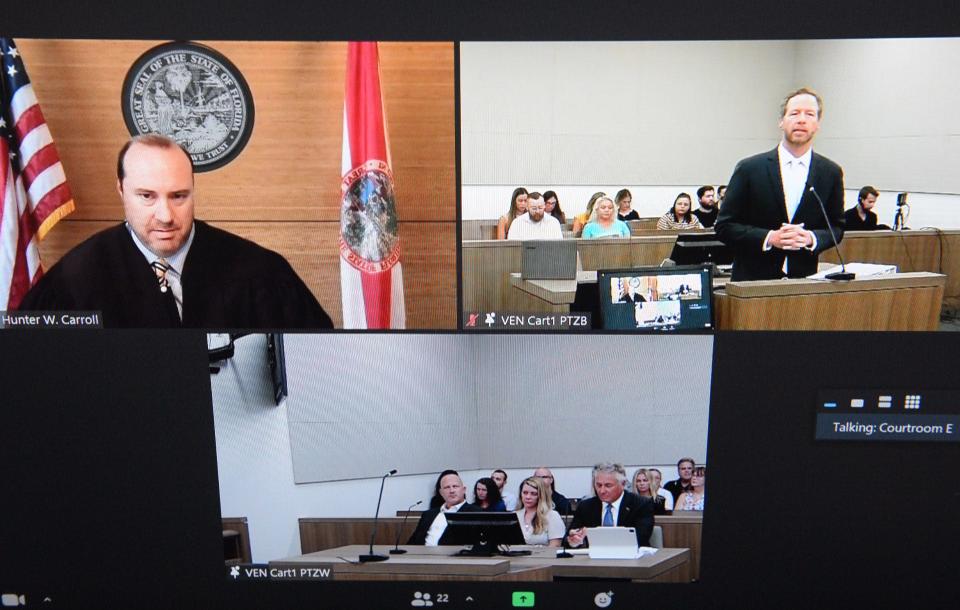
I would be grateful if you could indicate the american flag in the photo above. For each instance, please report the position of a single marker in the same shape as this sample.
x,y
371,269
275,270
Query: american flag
x,y
34,194
371,279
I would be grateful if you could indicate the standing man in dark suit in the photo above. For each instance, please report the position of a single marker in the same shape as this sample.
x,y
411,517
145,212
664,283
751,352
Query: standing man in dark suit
x,y
769,216
433,523
612,506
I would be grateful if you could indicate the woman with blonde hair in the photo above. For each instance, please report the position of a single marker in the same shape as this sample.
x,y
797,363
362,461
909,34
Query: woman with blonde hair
x,y
606,223
540,524
656,478
518,206
581,220
642,487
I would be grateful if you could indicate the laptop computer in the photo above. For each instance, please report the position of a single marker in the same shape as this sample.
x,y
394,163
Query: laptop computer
x,y
612,542
549,259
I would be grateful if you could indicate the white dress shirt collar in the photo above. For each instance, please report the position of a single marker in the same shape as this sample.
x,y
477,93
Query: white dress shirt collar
x,y
175,260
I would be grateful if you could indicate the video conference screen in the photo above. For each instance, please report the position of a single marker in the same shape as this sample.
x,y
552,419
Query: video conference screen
x,y
269,338
656,299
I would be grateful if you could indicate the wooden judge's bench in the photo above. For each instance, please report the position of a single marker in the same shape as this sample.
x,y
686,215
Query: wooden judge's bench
x,y
929,277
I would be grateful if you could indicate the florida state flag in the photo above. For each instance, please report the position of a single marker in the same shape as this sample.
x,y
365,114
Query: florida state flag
x,y
371,279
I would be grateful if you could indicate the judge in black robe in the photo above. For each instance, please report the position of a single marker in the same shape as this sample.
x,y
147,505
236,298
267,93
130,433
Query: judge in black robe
x,y
228,283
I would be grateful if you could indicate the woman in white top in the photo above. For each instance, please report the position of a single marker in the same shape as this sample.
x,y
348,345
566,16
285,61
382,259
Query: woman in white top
x,y
656,477
540,524
696,497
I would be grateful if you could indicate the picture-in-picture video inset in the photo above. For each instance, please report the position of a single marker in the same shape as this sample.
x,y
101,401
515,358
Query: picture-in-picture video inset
x,y
379,436
655,298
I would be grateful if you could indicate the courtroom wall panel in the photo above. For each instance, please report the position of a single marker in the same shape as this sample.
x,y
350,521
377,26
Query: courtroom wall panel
x,y
283,190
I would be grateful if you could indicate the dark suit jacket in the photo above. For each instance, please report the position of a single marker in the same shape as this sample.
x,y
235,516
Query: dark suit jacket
x,y
228,282
754,205
419,535
635,511
852,222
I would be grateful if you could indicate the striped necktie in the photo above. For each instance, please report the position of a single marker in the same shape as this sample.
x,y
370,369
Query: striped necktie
x,y
160,268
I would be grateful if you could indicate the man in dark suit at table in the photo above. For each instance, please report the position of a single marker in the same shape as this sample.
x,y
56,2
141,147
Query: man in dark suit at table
x,y
769,215
433,523
612,506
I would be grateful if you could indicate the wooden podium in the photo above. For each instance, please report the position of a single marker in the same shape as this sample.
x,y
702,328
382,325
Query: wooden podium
x,y
897,301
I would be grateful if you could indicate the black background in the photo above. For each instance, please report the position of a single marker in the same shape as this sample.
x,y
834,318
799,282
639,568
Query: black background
x,y
109,488
111,495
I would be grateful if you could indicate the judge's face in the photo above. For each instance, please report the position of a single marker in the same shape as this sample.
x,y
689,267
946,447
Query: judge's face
x,y
157,194
607,486
451,490
801,119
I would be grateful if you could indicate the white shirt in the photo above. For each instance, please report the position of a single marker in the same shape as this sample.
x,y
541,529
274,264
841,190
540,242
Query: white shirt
x,y
509,500
439,524
524,228
175,260
793,175
555,528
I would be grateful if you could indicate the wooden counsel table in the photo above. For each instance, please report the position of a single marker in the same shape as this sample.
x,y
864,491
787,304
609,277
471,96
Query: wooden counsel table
x,y
488,264
680,530
898,301
438,563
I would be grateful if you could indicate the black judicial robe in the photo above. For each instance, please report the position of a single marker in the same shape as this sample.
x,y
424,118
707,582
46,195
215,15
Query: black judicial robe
x,y
228,283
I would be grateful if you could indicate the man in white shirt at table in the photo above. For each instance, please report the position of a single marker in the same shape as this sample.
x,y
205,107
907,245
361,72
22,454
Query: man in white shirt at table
x,y
536,223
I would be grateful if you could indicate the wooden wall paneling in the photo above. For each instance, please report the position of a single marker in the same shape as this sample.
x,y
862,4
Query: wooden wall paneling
x,y
239,525
318,534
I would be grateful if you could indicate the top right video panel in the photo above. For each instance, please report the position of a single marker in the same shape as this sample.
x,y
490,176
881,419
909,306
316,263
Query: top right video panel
x,y
710,185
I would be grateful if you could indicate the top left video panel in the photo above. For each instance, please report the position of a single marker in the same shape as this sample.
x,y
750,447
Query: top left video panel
x,y
320,190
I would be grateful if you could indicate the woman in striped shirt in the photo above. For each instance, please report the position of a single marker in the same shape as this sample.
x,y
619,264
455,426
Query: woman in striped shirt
x,y
679,216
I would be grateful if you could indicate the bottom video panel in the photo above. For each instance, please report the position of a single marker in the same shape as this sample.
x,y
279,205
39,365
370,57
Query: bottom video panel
x,y
537,458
